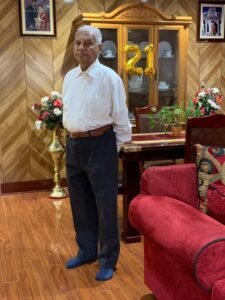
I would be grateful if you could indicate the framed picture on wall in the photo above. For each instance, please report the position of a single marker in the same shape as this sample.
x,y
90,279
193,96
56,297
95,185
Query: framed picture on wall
x,y
37,18
210,21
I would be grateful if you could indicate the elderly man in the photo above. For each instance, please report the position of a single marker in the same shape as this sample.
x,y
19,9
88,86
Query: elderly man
x,y
96,118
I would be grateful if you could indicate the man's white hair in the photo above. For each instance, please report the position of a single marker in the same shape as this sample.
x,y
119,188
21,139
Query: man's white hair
x,y
95,32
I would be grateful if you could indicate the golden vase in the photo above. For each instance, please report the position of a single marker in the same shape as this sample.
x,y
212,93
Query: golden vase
x,y
57,150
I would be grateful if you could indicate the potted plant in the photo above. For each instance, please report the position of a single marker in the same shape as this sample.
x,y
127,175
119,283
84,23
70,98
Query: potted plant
x,y
170,118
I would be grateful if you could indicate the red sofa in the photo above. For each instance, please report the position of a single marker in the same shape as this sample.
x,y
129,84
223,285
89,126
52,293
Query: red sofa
x,y
184,249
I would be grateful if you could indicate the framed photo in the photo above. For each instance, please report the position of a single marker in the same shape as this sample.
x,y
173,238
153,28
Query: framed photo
x,y
37,18
211,16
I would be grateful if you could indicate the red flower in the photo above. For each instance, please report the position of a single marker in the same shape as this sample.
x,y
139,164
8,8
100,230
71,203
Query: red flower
x,y
195,100
57,103
219,99
44,115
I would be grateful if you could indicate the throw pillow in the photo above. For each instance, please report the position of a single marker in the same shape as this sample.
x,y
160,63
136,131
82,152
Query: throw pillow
x,y
211,169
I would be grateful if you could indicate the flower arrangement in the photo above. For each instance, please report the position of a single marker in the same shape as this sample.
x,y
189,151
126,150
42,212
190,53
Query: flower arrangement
x,y
50,110
206,102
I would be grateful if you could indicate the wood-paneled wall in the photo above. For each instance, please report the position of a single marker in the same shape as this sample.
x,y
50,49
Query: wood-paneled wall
x,y
32,67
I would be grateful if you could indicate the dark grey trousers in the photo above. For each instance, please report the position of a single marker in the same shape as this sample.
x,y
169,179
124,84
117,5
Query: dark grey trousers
x,y
92,175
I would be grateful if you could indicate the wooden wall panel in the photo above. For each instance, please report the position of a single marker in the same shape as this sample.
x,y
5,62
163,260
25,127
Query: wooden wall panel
x,y
91,6
39,83
211,61
167,6
112,4
63,59
189,7
13,113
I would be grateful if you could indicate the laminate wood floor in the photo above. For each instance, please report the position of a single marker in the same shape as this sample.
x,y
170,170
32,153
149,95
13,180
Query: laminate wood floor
x,y
37,237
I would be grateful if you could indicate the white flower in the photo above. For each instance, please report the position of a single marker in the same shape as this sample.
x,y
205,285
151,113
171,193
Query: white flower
x,y
215,90
201,94
57,111
213,104
33,107
55,93
44,100
38,125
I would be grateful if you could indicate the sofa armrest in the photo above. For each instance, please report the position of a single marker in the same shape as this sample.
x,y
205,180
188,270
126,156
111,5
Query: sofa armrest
x,y
176,181
192,240
218,291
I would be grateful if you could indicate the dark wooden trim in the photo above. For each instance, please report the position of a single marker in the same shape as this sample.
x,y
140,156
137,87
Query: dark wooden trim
x,y
35,185
27,186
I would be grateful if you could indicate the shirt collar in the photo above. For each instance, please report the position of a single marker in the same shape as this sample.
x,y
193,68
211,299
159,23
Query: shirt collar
x,y
91,71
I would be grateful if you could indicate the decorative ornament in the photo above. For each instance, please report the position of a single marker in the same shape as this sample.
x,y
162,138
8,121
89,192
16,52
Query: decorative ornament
x,y
149,70
130,64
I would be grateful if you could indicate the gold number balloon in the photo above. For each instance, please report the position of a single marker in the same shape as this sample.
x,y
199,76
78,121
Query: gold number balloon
x,y
149,70
130,64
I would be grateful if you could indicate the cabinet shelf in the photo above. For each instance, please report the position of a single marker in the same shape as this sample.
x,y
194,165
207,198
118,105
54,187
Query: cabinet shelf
x,y
138,91
109,57
167,57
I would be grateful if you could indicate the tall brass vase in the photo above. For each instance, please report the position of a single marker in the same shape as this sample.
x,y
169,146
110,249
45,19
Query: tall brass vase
x,y
57,150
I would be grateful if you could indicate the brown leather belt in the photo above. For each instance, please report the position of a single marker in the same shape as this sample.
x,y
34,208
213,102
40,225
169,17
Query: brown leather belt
x,y
91,133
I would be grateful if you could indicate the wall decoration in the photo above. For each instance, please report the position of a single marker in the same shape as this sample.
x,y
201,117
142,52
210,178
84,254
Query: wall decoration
x,y
37,18
211,16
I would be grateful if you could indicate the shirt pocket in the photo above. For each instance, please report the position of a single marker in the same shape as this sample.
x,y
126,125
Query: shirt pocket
x,y
100,103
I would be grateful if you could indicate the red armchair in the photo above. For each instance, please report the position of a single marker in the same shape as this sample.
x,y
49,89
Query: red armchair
x,y
184,249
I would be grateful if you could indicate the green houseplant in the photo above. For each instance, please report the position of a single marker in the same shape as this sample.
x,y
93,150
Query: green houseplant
x,y
169,117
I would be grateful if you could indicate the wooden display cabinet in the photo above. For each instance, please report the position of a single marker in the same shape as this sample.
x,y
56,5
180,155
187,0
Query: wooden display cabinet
x,y
142,24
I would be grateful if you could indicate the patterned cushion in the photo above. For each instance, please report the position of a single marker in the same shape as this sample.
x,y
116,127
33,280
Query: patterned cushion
x,y
211,169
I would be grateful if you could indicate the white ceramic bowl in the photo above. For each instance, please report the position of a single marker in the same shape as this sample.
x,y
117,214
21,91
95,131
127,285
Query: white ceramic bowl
x,y
135,82
167,52
108,53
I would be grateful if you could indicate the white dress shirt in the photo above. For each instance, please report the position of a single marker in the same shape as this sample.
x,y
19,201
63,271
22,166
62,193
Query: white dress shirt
x,y
95,98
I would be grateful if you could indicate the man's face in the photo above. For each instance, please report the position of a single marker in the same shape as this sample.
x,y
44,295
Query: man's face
x,y
86,50
34,4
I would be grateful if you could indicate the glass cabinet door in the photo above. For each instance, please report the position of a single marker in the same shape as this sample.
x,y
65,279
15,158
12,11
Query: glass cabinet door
x,y
110,56
167,70
138,86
